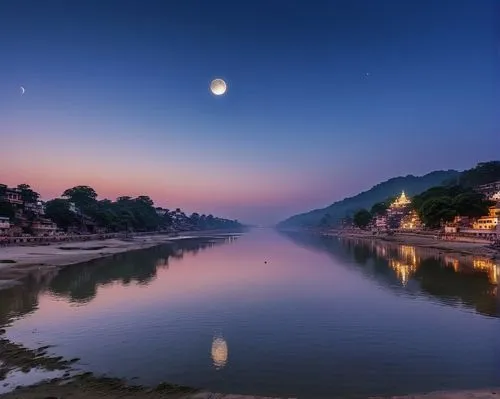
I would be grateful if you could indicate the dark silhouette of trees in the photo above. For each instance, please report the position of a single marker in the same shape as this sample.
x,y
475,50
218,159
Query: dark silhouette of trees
x,y
362,218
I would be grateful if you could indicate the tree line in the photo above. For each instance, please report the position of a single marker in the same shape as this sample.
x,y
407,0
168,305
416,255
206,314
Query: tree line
x,y
440,204
79,207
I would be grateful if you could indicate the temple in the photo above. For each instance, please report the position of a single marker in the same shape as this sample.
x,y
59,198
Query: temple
x,y
401,202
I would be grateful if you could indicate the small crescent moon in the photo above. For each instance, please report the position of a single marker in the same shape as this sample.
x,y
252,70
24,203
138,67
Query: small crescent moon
x,y
22,90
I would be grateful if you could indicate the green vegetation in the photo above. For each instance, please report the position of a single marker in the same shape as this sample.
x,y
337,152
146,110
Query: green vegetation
x,y
339,210
6,209
442,204
28,195
59,211
362,218
450,193
380,208
483,173
79,209
126,213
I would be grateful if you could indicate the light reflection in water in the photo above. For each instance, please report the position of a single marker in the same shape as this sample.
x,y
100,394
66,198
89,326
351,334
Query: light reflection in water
x,y
219,352
406,266
405,262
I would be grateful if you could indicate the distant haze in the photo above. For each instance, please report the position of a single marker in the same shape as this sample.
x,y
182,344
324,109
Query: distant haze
x,y
325,100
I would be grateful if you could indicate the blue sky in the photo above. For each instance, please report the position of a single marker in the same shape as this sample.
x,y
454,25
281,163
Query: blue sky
x,y
325,99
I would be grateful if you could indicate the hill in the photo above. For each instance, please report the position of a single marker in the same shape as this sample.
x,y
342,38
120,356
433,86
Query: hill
x,y
412,185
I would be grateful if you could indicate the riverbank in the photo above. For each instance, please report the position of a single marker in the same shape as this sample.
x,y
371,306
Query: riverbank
x,y
87,386
477,248
17,262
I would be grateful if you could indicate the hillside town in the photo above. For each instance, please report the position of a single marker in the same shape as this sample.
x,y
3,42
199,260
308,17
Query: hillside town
x,y
24,217
402,216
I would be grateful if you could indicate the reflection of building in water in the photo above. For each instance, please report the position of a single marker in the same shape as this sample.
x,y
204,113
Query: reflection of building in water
x,y
404,271
488,266
406,266
453,262
408,253
381,251
219,352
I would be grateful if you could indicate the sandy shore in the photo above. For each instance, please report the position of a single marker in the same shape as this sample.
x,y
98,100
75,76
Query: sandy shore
x,y
17,262
461,247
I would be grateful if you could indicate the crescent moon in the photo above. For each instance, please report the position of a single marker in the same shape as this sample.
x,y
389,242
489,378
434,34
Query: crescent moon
x,y
22,90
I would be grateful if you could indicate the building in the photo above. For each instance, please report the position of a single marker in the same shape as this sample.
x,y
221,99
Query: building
x,y
43,227
13,195
37,208
450,229
490,189
489,222
411,221
160,211
381,222
401,202
73,208
397,211
4,225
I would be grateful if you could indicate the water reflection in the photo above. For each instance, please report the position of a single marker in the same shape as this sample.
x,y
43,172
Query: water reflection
x,y
79,284
453,279
219,352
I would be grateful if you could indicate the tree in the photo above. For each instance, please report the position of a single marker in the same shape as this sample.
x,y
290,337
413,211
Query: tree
x,y
82,196
471,204
482,173
3,189
124,214
436,211
439,205
378,209
58,210
28,194
145,199
7,209
362,218
195,219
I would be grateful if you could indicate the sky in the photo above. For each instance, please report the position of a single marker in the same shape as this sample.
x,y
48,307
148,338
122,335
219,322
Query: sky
x,y
325,99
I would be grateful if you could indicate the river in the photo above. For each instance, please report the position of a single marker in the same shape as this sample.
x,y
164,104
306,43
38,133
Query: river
x,y
272,314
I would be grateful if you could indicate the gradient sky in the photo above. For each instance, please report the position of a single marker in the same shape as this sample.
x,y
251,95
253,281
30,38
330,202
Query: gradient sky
x,y
325,99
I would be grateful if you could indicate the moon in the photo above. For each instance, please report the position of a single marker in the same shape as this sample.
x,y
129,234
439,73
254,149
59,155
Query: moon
x,y
218,87
22,90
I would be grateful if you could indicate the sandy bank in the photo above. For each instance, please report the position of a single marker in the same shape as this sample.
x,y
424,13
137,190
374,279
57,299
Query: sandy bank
x,y
18,261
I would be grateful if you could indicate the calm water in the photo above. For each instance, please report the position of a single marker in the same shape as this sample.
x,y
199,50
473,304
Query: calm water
x,y
322,318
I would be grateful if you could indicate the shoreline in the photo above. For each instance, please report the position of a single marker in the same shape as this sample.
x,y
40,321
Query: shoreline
x,y
482,249
88,386
17,262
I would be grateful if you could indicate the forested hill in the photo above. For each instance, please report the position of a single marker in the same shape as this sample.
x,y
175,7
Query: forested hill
x,y
412,185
